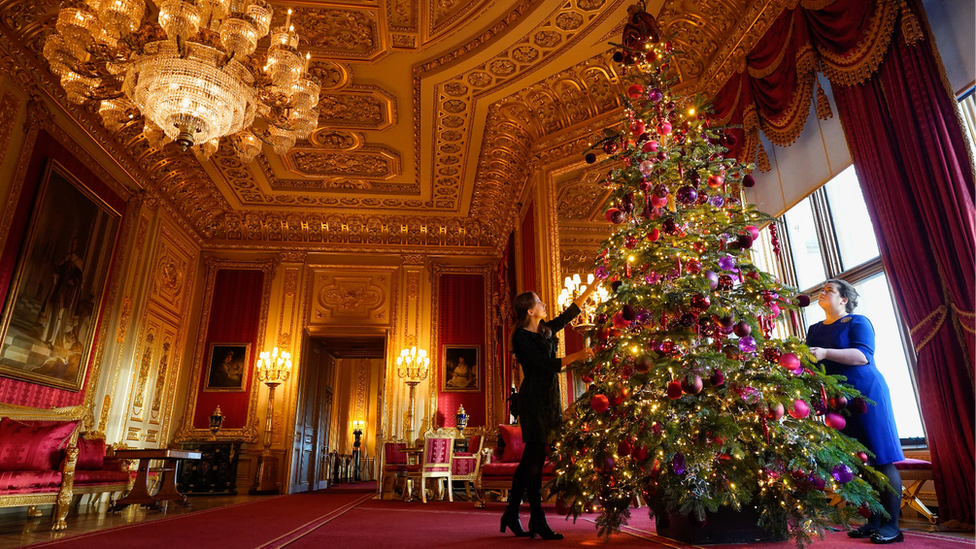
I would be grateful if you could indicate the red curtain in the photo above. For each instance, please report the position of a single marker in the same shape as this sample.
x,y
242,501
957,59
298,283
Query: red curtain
x,y
910,157
462,316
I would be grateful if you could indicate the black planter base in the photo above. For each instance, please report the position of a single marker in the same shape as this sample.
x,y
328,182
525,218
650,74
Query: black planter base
x,y
725,526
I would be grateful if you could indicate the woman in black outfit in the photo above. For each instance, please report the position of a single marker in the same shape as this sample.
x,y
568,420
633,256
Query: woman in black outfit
x,y
535,346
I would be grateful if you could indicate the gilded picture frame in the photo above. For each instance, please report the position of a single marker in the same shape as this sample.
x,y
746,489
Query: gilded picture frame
x,y
461,369
51,310
227,367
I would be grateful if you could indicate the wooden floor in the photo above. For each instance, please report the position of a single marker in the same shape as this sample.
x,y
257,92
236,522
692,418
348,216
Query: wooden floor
x,y
16,530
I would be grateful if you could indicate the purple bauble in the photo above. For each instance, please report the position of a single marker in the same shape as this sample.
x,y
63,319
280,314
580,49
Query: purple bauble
x,y
601,272
712,279
817,482
747,344
726,263
678,464
653,278
655,95
716,201
687,195
842,473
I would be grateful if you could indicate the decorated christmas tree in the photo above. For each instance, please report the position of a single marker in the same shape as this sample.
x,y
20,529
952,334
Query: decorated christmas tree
x,y
692,403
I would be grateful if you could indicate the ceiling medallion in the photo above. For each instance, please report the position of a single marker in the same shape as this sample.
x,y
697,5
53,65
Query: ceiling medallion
x,y
192,74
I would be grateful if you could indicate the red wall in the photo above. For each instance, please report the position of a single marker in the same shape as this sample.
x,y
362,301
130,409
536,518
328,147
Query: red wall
x,y
461,315
235,315
14,391
529,278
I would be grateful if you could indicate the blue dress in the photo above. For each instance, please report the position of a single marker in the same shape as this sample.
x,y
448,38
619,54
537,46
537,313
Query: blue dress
x,y
876,428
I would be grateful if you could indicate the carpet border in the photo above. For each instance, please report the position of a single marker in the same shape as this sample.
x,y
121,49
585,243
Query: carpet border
x,y
313,525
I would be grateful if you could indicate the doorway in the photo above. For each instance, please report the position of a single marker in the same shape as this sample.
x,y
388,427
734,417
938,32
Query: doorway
x,y
329,392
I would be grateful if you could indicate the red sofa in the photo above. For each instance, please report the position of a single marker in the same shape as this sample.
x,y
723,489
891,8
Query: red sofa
x,y
498,463
44,461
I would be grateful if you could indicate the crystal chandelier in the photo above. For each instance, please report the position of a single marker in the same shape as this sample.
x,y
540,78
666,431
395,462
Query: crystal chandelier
x,y
192,74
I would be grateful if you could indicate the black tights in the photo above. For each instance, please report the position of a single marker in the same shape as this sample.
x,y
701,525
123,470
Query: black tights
x,y
528,479
891,501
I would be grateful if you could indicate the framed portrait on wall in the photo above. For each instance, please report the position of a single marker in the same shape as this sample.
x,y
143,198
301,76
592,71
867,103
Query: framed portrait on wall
x,y
461,371
51,309
227,367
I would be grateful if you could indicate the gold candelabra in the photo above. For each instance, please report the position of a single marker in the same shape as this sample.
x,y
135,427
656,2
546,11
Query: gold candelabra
x,y
412,365
273,369
572,288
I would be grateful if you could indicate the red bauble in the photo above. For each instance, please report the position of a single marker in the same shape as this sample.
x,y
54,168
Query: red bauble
x,y
630,242
563,507
838,402
693,265
800,409
616,399
600,403
748,181
719,441
610,147
664,128
654,235
717,379
639,453
863,457
835,421
674,390
803,300
691,385
715,181
777,411
643,364
637,127
858,406
789,361
742,329
624,448
864,511
619,321
700,302
650,146
611,212
635,91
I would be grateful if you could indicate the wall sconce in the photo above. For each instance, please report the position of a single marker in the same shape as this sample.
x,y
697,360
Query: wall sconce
x,y
216,421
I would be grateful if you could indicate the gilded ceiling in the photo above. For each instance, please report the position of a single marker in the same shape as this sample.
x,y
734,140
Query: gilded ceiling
x,y
434,116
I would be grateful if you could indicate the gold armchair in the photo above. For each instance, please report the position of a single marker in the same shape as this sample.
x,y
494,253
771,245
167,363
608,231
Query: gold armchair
x,y
435,463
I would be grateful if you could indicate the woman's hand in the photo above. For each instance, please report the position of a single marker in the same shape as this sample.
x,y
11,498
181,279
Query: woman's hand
x,y
818,353
582,355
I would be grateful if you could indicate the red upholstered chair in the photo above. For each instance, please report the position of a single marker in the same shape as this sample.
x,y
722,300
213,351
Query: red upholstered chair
x,y
464,466
435,463
394,464
918,471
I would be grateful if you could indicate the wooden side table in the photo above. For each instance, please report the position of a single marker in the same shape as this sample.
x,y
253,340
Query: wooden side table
x,y
139,495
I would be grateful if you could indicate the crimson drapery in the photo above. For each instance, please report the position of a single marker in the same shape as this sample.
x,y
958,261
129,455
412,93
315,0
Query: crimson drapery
x,y
910,158
845,38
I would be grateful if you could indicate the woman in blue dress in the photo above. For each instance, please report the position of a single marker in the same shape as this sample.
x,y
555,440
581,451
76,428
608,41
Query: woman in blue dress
x,y
844,344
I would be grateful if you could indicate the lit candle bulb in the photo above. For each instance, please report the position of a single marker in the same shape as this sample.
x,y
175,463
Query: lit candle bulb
x,y
308,57
288,18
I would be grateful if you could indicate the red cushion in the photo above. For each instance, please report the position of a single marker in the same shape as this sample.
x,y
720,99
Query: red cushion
x,y
910,464
507,469
101,477
91,454
463,465
512,436
32,445
474,444
429,468
16,481
393,453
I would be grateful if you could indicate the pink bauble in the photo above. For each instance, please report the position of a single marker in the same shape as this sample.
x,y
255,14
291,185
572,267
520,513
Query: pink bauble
x,y
776,412
789,361
753,231
637,127
600,403
650,146
800,409
619,321
664,128
836,421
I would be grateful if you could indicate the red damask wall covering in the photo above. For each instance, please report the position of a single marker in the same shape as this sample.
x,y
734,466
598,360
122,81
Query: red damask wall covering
x,y
461,315
13,391
235,315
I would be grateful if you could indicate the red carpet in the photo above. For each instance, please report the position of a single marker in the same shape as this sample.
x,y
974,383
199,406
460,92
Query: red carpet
x,y
347,518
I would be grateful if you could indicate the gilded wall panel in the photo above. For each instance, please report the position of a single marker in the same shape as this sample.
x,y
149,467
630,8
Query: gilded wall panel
x,y
351,296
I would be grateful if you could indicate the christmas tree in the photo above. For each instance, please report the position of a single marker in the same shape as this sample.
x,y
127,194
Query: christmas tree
x,y
692,403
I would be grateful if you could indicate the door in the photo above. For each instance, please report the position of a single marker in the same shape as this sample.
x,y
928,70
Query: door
x,y
303,448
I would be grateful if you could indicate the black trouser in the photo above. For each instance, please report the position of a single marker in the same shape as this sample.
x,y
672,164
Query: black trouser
x,y
528,480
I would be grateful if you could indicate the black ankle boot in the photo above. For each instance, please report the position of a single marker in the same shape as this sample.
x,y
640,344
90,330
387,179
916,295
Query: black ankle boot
x,y
511,521
539,527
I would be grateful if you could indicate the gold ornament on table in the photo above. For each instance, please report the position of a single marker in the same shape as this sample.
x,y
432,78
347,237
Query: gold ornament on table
x,y
191,73
572,288
412,365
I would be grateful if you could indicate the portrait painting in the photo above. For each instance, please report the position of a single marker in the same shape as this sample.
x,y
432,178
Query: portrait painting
x,y
462,370
227,367
52,305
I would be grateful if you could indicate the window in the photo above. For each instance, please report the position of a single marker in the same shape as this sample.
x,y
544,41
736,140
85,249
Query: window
x,y
829,235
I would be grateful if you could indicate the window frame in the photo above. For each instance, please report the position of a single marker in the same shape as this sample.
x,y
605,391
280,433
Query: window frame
x,y
833,268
